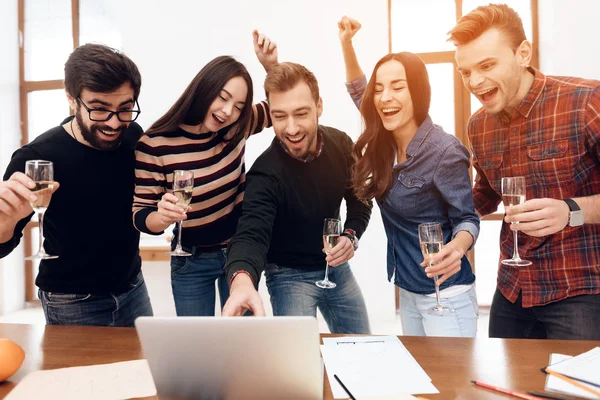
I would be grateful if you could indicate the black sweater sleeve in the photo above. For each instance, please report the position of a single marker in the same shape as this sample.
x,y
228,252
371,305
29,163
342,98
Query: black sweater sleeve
x,y
358,213
248,248
17,164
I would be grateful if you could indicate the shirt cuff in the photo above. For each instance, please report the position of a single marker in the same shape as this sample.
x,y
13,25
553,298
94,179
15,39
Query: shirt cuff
x,y
356,89
467,227
139,221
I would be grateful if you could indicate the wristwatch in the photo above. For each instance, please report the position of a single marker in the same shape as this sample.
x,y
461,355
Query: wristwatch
x,y
350,234
576,214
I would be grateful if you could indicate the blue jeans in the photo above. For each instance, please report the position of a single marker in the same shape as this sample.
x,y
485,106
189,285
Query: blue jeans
x,y
113,309
293,292
575,317
193,282
461,323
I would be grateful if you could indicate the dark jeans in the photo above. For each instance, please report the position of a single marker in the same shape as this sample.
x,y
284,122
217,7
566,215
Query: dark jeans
x,y
113,309
193,282
572,318
293,292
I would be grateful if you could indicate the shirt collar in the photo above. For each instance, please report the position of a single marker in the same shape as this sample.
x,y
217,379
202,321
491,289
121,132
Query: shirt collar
x,y
311,156
416,141
539,82
528,102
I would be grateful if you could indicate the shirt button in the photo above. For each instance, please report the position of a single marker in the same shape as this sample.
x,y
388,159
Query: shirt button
x,y
514,129
515,160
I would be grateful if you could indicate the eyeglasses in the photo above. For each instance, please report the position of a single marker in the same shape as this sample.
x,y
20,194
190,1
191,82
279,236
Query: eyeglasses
x,y
102,115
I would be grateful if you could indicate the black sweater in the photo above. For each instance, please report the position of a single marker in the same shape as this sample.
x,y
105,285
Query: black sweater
x,y
88,223
286,203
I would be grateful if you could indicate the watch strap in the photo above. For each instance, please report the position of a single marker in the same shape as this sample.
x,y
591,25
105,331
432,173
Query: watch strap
x,y
573,206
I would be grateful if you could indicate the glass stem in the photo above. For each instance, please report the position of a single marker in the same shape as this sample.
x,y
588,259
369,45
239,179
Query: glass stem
x,y
437,289
516,248
326,272
179,248
41,233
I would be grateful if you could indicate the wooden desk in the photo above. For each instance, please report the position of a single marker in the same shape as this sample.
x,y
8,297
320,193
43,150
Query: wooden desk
x,y
450,362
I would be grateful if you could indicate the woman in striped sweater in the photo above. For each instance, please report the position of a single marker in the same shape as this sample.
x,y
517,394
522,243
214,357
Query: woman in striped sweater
x,y
205,131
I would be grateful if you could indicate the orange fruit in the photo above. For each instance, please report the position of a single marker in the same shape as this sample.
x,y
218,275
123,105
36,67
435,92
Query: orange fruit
x,y
11,358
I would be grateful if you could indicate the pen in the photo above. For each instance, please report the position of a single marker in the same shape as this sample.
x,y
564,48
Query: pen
x,y
507,391
571,381
550,396
343,386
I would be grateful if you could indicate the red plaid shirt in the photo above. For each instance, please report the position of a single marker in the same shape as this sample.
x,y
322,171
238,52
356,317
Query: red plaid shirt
x,y
553,139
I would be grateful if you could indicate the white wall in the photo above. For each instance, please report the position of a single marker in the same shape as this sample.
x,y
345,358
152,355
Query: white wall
x,y
11,268
173,40
569,42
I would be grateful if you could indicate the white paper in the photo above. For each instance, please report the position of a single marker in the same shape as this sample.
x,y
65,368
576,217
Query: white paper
x,y
554,384
584,366
371,366
123,380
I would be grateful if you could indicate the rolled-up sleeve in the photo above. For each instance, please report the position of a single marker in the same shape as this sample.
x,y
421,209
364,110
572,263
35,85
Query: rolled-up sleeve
x,y
454,184
356,89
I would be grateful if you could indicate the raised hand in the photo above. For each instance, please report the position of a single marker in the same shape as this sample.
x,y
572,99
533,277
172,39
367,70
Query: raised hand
x,y
265,50
347,28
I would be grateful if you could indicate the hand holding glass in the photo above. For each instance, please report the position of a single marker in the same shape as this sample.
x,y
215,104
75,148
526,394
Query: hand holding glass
x,y
42,173
183,186
513,193
332,229
431,239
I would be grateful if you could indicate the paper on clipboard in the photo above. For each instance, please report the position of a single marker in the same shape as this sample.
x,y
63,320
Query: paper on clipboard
x,y
373,366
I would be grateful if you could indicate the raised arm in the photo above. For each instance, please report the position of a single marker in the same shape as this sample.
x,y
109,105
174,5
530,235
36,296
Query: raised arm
x,y
347,29
355,77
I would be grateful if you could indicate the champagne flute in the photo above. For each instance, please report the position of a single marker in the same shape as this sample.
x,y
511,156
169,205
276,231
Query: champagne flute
x,y
513,193
42,173
431,239
332,229
183,186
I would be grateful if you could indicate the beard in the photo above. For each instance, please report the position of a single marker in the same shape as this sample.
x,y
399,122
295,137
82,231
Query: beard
x,y
93,136
303,153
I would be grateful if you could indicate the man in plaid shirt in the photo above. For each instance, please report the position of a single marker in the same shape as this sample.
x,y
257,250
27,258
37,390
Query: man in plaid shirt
x,y
546,129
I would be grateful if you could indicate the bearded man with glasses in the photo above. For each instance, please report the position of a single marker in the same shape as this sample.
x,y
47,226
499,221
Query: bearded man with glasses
x,y
97,278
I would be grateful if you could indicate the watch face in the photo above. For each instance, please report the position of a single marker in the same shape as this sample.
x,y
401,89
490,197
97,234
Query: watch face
x,y
576,218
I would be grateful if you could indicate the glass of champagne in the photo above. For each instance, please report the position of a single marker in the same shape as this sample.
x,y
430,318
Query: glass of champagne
x,y
431,239
42,173
513,193
332,229
183,186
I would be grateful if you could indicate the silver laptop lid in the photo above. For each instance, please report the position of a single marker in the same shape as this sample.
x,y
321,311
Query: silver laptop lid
x,y
233,358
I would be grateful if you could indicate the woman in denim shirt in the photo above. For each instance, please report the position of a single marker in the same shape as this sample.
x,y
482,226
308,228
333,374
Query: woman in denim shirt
x,y
417,173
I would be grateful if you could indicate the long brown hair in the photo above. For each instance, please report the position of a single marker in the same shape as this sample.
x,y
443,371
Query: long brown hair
x,y
374,149
193,104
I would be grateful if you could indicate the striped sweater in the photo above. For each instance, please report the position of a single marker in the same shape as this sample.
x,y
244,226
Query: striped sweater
x,y
219,179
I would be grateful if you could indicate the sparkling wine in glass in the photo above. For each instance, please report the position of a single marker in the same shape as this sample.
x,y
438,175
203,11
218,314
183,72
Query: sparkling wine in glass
x,y
332,229
183,186
42,173
431,239
513,193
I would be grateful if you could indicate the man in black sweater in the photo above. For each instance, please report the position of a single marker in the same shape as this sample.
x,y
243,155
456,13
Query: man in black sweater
x,y
292,187
96,279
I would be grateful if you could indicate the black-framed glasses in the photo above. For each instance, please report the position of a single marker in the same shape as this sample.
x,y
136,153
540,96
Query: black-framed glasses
x,y
102,115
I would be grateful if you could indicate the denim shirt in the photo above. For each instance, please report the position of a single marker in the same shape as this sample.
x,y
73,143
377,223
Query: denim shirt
x,y
432,185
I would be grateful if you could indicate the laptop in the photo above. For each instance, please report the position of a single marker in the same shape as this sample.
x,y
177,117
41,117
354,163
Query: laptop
x,y
233,358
